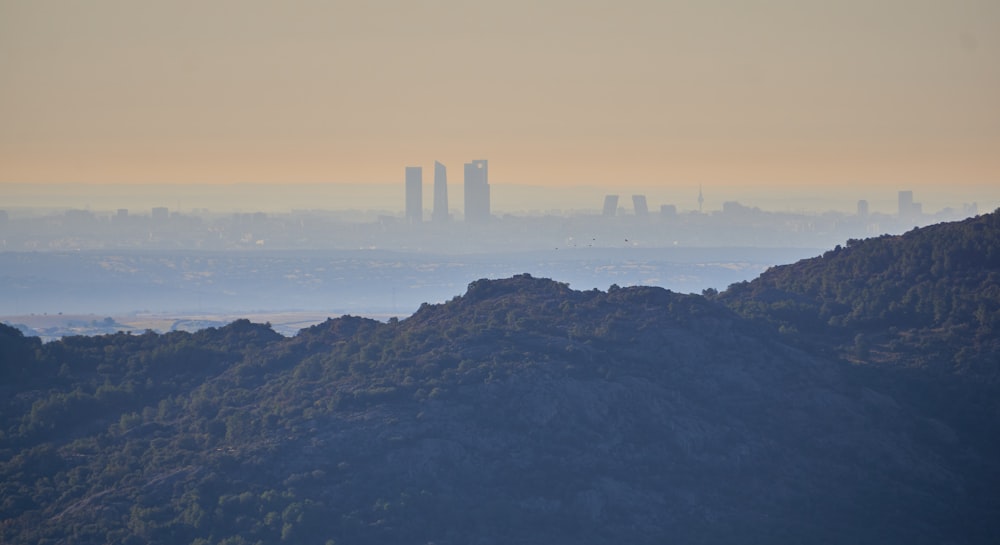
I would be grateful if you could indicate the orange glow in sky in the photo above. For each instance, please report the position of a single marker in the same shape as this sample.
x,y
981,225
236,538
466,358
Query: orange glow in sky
x,y
563,92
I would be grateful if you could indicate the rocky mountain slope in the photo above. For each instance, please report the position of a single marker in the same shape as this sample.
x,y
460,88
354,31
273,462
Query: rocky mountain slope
x,y
527,412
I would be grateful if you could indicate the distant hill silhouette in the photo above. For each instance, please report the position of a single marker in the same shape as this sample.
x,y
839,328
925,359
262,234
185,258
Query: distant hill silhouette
x,y
845,399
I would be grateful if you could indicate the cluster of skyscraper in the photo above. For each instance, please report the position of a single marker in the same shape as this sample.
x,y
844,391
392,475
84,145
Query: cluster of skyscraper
x,y
477,193
611,206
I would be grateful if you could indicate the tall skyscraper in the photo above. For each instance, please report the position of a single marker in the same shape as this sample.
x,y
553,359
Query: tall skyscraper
x,y
640,206
610,206
477,191
414,194
905,203
909,210
862,208
440,213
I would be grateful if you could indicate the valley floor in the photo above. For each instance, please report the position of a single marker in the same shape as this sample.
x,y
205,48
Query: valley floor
x,y
54,326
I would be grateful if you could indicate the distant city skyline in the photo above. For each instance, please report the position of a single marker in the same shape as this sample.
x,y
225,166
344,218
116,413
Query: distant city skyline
x,y
627,224
627,96
389,198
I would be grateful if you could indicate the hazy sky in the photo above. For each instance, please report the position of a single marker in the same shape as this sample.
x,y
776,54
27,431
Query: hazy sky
x,y
901,93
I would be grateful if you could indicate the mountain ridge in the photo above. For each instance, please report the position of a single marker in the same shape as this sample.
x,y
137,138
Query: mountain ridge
x,y
919,290
525,411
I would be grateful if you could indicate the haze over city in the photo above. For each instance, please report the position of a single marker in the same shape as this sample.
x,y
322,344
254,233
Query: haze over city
x,y
499,271
752,133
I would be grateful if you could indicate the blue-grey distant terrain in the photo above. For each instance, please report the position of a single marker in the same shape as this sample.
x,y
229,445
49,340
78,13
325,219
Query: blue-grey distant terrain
x,y
338,281
366,262
847,398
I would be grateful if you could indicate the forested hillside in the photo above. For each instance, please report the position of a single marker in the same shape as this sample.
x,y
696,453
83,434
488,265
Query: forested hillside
x,y
930,297
795,408
918,314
